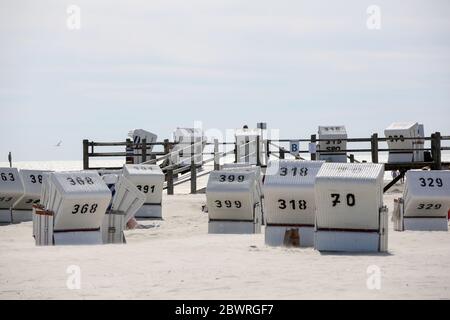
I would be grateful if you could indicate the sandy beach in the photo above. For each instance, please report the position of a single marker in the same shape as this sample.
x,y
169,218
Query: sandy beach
x,y
177,259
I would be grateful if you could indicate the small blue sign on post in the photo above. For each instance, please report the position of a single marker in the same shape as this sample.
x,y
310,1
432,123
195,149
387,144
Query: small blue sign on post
x,y
294,147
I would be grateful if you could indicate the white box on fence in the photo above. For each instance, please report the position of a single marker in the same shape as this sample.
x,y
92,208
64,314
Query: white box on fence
x,y
149,179
190,142
334,144
396,134
32,181
138,135
426,200
42,226
349,204
233,201
11,190
289,200
246,146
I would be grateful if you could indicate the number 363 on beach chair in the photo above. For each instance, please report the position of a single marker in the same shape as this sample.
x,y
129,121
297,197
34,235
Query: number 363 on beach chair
x,y
11,190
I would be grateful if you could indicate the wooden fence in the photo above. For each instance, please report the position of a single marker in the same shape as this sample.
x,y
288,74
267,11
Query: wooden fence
x,y
272,148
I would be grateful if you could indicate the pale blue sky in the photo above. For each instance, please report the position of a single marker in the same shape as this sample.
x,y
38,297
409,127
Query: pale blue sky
x,y
161,64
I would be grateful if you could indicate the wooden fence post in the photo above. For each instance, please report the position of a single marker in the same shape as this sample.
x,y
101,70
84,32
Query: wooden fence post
x,y
10,159
216,155
436,151
144,150
193,171
166,146
313,140
247,150
258,159
235,153
130,152
374,147
352,158
85,154
281,153
170,180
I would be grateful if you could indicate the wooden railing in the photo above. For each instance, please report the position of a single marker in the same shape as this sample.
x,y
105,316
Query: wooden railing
x,y
171,170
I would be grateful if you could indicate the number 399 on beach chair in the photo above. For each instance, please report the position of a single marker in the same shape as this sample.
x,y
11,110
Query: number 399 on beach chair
x,y
233,202
289,202
350,214
259,179
76,202
425,203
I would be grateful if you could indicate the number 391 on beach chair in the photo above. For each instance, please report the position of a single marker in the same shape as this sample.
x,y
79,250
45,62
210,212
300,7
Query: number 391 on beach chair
x,y
350,213
234,202
149,179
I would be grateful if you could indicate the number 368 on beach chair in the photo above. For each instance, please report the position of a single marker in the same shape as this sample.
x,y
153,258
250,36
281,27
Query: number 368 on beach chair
x,y
73,205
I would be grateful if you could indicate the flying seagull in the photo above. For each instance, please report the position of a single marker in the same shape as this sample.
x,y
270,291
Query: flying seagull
x,y
58,144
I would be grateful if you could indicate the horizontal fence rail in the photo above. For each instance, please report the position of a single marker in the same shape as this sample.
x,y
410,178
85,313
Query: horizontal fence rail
x,y
167,155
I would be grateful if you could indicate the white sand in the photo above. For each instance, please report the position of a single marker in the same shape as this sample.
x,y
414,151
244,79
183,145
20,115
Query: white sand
x,y
179,260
